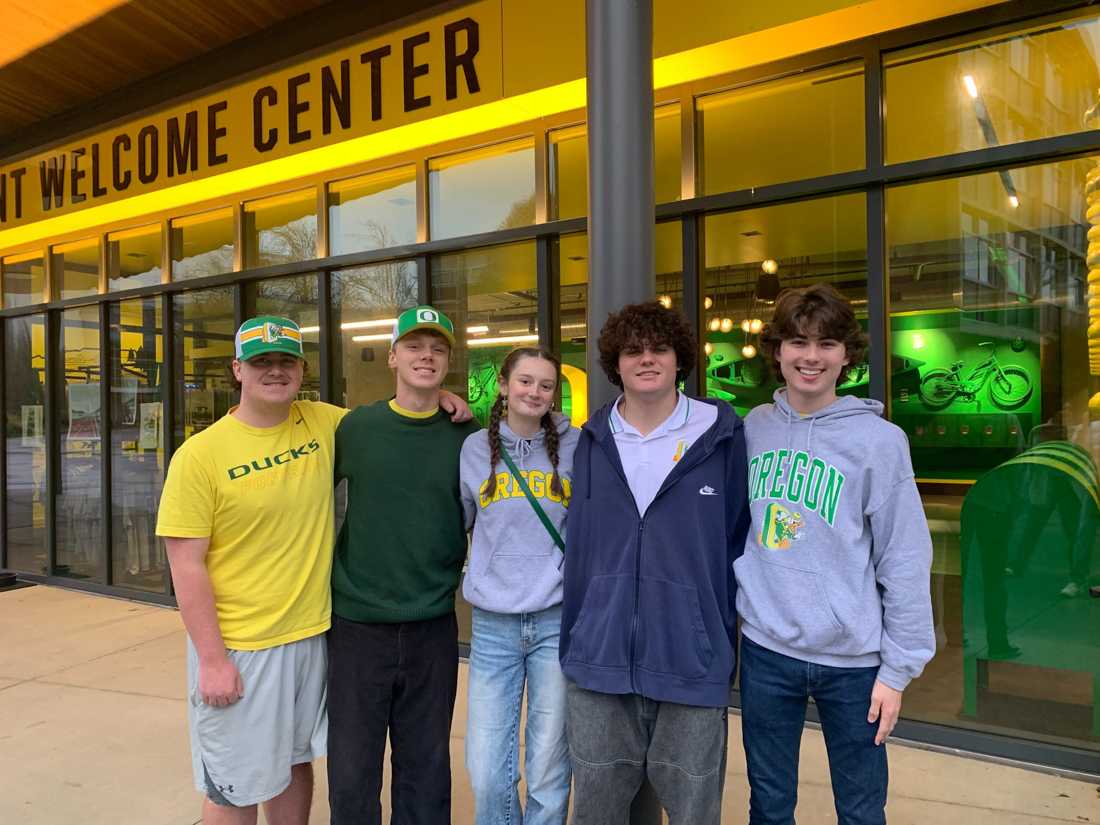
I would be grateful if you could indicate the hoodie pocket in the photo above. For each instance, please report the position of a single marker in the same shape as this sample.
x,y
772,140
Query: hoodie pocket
x,y
672,637
789,604
601,633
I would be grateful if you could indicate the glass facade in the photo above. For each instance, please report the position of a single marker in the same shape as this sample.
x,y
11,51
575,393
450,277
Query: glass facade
x,y
74,268
25,443
993,381
491,294
137,443
365,304
573,265
79,485
977,277
750,256
24,279
803,126
995,89
569,164
482,191
205,325
294,298
202,244
280,229
372,211
134,258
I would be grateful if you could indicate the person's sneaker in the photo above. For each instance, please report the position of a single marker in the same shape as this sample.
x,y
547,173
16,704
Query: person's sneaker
x,y
1072,590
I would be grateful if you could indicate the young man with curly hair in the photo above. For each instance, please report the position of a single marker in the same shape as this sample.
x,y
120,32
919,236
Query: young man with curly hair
x,y
649,630
833,585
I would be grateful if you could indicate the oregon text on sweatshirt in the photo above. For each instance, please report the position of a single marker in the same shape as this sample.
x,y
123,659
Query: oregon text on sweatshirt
x,y
837,562
514,566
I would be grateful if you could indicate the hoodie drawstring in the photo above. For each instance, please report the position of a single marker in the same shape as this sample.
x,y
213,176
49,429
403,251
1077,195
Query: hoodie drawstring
x,y
524,448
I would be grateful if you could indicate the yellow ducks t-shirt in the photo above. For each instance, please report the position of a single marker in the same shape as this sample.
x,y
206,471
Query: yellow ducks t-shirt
x,y
264,497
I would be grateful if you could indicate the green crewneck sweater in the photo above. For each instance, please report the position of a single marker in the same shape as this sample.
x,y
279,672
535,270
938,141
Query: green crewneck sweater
x,y
400,552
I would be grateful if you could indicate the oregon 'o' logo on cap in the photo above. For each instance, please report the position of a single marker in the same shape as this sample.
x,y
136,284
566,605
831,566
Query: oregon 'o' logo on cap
x,y
428,316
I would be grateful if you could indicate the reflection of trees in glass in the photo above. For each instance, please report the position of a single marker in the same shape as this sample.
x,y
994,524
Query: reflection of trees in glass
x,y
522,213
294,298
380,289
212,262
294,241
357,232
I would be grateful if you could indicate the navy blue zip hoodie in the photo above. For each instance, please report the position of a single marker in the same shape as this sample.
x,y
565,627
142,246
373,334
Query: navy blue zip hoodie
x,y
649,603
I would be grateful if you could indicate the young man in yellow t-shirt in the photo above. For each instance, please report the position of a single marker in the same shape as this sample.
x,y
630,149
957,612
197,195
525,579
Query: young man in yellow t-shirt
x,y
247,516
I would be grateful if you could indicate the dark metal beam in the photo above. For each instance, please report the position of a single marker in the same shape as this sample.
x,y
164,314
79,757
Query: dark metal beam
x,y
106,381
619,57
619,42
547,287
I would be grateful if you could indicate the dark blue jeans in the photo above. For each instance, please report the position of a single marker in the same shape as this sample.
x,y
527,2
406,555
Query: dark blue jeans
x,y
774,692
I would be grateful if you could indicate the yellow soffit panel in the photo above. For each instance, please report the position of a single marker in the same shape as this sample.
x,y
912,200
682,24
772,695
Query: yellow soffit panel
x,y
695,64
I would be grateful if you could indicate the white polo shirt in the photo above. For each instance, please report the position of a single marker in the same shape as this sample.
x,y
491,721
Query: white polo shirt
x,y
648,459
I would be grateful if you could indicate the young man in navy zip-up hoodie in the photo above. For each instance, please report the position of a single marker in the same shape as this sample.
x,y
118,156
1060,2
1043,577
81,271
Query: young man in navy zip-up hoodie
x,y
649,628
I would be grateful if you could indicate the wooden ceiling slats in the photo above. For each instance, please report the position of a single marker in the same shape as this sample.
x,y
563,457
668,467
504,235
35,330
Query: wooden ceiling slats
x,y
126,44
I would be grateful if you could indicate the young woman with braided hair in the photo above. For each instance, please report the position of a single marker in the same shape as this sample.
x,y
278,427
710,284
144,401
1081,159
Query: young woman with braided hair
x,y
516,480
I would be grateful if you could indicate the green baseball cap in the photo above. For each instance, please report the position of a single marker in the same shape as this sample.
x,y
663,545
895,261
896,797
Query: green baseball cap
x,y
268,333
423,317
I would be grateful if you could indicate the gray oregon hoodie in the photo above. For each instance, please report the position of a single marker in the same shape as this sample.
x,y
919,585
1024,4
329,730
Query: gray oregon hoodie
x,y
515,567
837,562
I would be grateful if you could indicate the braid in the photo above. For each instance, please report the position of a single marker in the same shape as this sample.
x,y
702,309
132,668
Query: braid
x,y
494,444
551,434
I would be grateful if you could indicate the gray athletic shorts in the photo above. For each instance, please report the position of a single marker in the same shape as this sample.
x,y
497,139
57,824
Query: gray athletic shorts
x,y
242,754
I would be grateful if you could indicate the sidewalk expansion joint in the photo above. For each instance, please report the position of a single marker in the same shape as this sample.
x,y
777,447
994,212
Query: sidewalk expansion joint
x,y
109,690
109,653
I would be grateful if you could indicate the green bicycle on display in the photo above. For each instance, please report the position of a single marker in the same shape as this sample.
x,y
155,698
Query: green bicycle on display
x,y
1009,385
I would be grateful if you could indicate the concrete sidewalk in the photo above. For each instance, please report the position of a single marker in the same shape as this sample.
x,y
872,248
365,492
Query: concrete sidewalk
x,y
93,731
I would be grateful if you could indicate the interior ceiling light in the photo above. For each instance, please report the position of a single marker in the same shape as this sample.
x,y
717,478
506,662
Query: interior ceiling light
x,y
708,348
749,351
505,339
771,266
755,325
746,325
971,86
477,329
726,325
708,302
714,325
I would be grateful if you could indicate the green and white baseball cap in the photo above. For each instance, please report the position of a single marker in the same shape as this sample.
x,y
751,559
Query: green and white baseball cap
x,y
423,317
268,333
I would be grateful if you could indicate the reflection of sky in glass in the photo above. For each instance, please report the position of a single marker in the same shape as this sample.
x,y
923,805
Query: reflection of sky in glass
x,y
479,196
374,221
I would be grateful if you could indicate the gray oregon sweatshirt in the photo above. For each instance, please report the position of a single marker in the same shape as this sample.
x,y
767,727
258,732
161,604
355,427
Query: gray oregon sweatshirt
x,y
837,562
515,567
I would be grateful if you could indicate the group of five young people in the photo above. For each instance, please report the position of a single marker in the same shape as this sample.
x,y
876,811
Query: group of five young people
x,y
607,571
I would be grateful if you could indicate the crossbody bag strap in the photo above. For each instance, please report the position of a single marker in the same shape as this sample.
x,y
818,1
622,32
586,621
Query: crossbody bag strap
x,y
545,519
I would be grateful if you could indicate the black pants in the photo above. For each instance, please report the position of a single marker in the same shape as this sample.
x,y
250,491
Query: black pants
x,y
400,679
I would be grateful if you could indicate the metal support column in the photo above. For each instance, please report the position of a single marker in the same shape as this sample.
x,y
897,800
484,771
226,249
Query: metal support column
x,y
619,56
619,46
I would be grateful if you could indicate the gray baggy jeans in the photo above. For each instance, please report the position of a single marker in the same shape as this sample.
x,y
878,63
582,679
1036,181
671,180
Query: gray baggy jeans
x,y
616,741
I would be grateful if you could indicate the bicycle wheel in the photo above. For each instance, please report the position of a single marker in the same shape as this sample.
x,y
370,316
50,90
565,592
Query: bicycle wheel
x,y
938,388
1011,388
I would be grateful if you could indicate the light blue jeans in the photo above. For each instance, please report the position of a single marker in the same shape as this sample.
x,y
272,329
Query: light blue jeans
x,y
507,650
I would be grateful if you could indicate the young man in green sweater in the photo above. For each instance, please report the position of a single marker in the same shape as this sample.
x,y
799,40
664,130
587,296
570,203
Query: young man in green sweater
x,y
393,646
